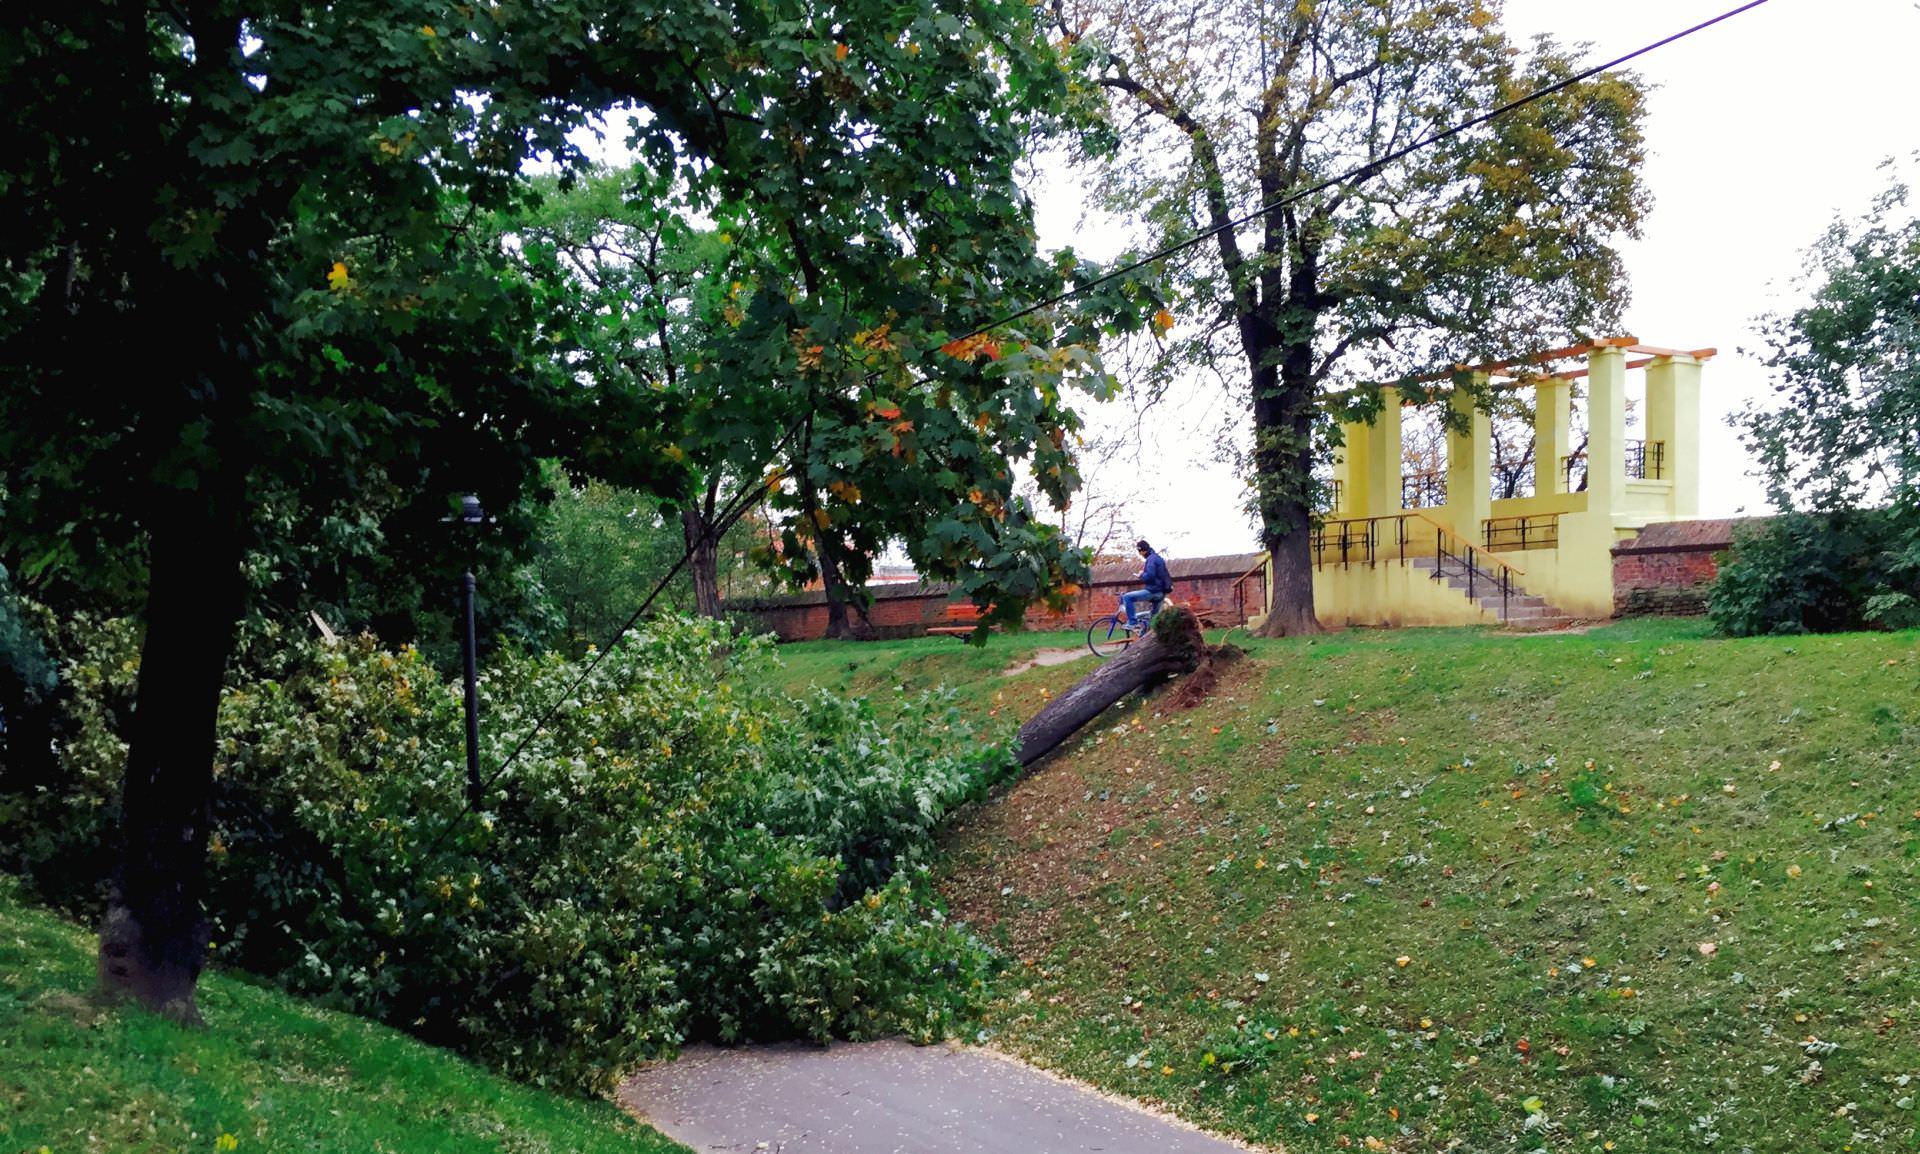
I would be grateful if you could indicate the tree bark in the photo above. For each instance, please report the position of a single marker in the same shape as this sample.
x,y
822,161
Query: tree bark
x,y
839,627
703,558
153,940
1173,645
1283,399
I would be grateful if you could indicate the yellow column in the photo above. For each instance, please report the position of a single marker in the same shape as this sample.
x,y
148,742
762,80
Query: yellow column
x,y
1606,431
1469,461
1673,420
1382,483
1350,469
1552,435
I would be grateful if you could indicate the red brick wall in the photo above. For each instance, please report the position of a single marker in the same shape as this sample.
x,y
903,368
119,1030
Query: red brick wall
x,y
1669,567
909,610
1671,584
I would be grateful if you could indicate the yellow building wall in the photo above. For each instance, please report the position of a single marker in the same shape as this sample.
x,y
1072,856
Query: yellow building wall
x,y
1576,576
1391,594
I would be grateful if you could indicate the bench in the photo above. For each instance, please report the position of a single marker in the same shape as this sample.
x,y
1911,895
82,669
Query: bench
x,y
965,616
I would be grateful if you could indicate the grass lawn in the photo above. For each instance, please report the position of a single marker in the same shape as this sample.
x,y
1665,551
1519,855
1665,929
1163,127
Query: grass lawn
x,y
268,1074
1629,890
914,663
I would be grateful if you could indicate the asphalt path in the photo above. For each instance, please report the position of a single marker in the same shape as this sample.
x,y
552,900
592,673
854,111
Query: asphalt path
x,y
892,1098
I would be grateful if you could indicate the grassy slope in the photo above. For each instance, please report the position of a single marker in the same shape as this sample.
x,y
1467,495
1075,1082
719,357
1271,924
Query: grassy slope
x,y
915,663
268,1073
1373,896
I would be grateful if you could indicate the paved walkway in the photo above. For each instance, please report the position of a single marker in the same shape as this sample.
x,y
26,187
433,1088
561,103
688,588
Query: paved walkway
x,y
891,1098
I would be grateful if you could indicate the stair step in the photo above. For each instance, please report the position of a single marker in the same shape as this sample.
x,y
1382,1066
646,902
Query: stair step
x,y
1540,624
1523,611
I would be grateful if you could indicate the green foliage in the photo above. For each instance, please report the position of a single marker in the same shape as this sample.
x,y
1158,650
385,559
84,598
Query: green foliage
x,y
1844,426
1494,243
601,550
23,660
1820,573
675,855
269,1071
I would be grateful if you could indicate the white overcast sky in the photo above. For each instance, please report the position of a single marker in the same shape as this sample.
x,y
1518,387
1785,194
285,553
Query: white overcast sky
x,y
1759,131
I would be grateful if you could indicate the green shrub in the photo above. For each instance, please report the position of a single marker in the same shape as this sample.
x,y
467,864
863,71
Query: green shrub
x,y
1820,573
675,855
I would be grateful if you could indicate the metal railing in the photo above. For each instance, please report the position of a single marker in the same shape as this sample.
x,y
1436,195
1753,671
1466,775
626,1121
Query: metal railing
x,y
1403,537
1568,464
1423,490
1240,587
1332,496
1646,460
1506,534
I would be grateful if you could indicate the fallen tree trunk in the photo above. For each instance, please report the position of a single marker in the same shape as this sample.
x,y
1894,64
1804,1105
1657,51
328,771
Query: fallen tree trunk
x,y
1173,645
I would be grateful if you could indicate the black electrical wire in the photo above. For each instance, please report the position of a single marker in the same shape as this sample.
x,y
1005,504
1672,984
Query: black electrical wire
x,y
729,515
750,496
1364,172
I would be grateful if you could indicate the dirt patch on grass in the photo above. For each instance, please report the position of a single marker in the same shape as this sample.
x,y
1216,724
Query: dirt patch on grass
x,y
1199,685
1044,657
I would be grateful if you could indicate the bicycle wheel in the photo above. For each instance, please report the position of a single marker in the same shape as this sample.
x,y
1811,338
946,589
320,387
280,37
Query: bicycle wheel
x,y
1108,636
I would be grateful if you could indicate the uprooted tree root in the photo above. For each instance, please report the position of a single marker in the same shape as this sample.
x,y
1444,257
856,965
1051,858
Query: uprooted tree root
x,y
1199,685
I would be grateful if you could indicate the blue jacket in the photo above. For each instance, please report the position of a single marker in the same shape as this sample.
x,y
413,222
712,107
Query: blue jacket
x,y
1154,576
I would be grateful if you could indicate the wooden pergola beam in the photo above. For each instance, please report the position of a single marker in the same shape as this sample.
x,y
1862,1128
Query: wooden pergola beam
x,y
1651,353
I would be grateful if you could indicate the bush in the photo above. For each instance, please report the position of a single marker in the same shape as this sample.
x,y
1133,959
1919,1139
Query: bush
x,y
676,854
1820,573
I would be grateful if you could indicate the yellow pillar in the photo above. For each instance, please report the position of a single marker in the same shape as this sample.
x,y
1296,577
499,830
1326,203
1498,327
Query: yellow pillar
x,y
1552,435
1606,431
1469,461
1673,420
1382,484
1350,469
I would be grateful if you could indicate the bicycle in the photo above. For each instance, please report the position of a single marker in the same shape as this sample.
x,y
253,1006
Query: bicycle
x,y
1109,636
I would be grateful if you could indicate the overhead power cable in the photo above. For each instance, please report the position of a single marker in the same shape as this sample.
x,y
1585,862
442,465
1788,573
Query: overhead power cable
x,y
728,516
753,494
1362,173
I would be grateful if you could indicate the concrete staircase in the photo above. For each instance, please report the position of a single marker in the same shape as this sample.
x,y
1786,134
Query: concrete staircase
x,y
1521,611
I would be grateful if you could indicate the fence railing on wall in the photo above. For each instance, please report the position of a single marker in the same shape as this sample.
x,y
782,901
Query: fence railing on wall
x,y
1413,536
1425,490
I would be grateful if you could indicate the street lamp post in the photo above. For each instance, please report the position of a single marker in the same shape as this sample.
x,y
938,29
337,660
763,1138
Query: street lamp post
x,y
471,514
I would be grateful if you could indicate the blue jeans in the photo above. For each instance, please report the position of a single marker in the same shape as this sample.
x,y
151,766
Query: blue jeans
x,y
1129,600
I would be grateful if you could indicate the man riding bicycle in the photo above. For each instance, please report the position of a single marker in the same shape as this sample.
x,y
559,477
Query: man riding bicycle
x,y
1155,583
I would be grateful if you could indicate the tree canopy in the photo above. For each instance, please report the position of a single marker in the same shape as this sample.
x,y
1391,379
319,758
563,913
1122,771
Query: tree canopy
x,y
1843,426
1493,243
262,318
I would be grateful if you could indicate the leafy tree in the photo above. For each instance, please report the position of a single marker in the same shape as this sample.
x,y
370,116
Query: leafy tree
x,y
1839,444
895,418
1843,429
602,548
637,286
1490,244
251,259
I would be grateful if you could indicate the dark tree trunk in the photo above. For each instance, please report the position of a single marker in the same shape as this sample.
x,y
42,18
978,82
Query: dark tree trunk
x,y
1173,645
1283,399
839,626
153,941
703,558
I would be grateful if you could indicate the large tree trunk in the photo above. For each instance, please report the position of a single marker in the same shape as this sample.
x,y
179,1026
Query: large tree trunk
x,y
703,558
1283,398
839,627
153,941
1173,645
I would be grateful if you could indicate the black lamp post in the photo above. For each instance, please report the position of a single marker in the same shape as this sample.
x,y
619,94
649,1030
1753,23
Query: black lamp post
x,y
470,513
